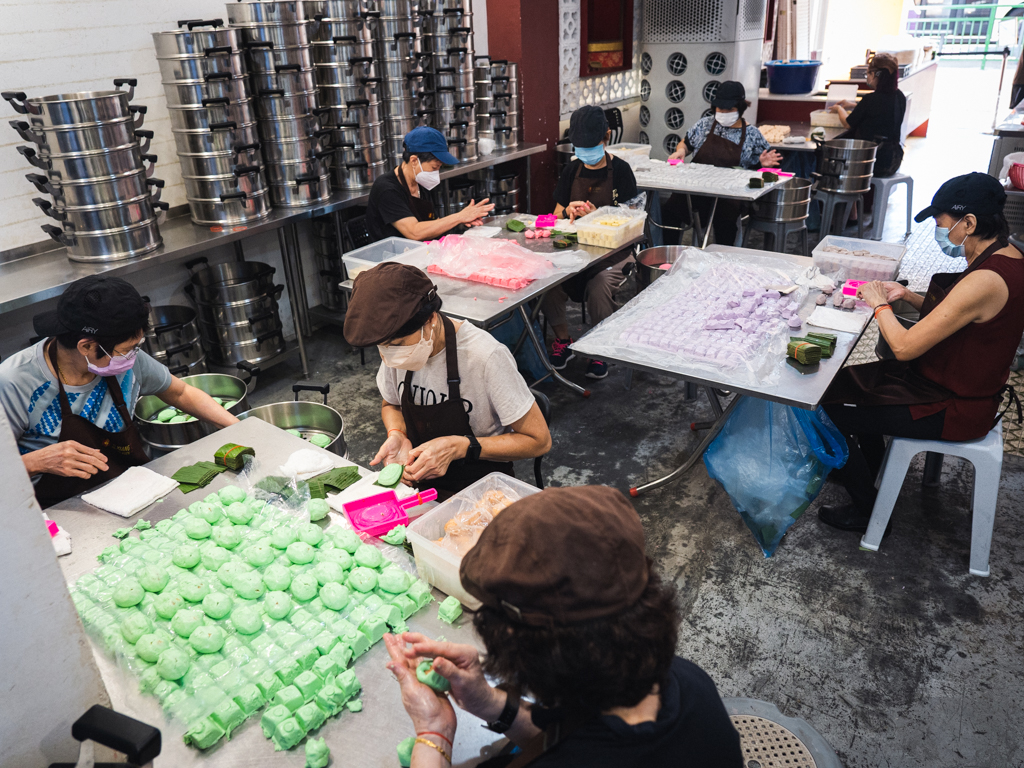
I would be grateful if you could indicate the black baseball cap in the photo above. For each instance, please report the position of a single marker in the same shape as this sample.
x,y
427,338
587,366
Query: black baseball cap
x,y
729,94
587,127
976,193
104,307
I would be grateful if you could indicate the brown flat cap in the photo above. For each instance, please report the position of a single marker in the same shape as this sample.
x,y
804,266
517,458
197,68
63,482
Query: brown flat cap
x,y
384,299
561,556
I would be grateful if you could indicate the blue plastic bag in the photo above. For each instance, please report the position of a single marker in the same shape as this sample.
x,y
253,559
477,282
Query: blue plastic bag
x,y
772,460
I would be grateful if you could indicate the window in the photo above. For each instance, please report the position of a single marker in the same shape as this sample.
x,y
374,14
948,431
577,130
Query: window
x,y
606,36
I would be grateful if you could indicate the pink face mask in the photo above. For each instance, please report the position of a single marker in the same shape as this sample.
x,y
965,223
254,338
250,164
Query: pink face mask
x,y
118,363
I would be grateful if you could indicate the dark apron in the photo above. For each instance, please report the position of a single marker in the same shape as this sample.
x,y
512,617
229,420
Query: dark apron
x,y
895,382
719,151
427,422
121,449
597,192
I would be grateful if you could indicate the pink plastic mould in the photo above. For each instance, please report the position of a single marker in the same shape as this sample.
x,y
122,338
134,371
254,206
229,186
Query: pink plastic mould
x,y
675,161
546,221
376,515
850,287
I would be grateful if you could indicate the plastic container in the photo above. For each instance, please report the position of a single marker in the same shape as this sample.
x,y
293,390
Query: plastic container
x,y
610,226
824,119
793,76
631,153
438,566
883,265
373,254
1017,175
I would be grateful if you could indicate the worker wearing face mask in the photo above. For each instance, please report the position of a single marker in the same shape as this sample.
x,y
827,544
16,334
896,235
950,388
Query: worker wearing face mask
x,y
951,367
402,203
455,407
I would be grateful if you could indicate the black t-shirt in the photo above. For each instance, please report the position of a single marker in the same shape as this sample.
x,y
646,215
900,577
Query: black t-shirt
x,y
390,202
623,180
878,115
693,730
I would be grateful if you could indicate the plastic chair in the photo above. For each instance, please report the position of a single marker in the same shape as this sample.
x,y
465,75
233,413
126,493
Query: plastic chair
x,y
840,202
985,453
545,409
779,231
883,188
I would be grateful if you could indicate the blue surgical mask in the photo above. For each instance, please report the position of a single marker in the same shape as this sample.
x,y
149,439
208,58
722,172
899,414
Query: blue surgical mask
x,y
947,246
590,155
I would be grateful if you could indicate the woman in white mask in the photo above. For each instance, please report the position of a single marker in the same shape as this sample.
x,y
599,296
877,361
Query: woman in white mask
x,y
455,407
949,370
402,203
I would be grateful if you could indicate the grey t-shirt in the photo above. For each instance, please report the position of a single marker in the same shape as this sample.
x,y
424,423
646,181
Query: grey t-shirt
x,y
494,392
28,395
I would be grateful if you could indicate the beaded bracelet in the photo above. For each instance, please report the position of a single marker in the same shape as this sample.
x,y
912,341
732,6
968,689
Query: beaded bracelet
x,y
429,743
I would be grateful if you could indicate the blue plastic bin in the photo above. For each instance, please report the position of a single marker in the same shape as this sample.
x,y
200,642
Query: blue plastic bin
x,y
794,76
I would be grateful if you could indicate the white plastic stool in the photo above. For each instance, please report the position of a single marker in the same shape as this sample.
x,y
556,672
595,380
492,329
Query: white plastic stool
x,y
985,453
883,188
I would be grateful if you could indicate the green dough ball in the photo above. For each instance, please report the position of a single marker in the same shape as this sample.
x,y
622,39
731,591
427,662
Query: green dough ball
x,y
172,664
149,647
230,404
217,605
227,536
218,400
390,475
321,440
394,580
186,556
277,605
135,626
186,622
347,539
277,578
197,528
363,579
405,751
318,509
294,432
207,639
231,494
167,414
336,555
211,513
311,534
395,537
317,753
425,674
226,573
334,595
369,557
214,557
304,587
239,513
193,588
167,604
246,619
300,553
153,578
449,610
180,418
260,554
249,586
329,571
284,535
128,593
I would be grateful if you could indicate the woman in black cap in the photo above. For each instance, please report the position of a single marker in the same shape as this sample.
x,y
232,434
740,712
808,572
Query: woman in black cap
x,y
723,139
70,398
952,366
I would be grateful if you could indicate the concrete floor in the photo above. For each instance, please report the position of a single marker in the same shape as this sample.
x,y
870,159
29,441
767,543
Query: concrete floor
x,y
899,658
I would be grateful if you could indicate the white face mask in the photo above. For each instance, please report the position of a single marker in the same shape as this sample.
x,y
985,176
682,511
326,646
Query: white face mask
x,y
411,357
727,118
427,179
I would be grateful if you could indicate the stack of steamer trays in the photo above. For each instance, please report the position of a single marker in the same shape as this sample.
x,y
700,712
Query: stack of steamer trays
x,y
500,184
276,37
209,99
87,146
350,87
448,35
497,101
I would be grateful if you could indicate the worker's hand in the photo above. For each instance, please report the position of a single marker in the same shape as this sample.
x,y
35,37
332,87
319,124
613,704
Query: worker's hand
x,y
431,459
67,459
477,223
874,293
680,153
395,450
578,208
429,710
770,159
895,292
459,664
475,211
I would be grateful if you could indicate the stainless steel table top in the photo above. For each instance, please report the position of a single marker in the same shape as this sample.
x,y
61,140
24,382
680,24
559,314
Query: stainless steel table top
x,y
802,390
365,739
804,130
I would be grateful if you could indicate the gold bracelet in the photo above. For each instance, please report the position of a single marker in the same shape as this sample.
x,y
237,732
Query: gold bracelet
x,y
429,743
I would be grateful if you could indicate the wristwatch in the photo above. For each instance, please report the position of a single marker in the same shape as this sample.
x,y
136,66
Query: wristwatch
x,y
473,452
508,714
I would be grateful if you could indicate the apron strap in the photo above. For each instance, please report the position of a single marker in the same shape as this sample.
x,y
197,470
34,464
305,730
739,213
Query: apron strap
x,y
114,388
451,357
62,396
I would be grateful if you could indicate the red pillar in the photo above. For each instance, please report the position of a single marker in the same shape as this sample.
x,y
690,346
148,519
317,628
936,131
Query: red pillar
x,y
526,32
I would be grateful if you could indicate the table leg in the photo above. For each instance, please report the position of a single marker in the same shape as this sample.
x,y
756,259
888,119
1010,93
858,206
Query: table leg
x,y
289,281
551,372
698,452
529,186
711,222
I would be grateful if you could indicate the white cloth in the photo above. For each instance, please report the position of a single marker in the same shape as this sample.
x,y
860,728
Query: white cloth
x,y
131,492
836,320
482,231
306,463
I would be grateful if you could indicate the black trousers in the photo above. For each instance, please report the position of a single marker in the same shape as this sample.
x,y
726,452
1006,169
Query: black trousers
x,y
864,427
674,213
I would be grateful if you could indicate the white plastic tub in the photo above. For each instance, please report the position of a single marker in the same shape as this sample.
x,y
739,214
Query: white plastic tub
x,y
631,153
373,254
610,226
438,566
883,264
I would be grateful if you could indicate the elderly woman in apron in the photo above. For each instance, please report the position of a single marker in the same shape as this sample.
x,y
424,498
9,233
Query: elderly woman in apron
x,y
951,367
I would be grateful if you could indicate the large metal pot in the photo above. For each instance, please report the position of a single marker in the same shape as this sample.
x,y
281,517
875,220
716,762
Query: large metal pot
x,y
359,175
289,78
504,138
463,150
287,128
211,112
109,245
461,129
327,28
100,191
196,92
100,218
389,26
256,328
362,112
278,104
452,20
85,166
196,37
288,173
371,154
453,78
169,327
305,190
504,200
458,59
398,7
219,163
370,90
85,108
396,69
503,68
348,74
503,102
457,113
281,35
198,67
230,209
247,179
266,58
220,137
845,165
306,417
498,119
258,350
397,127
339,9
650,261
359,135
340,50
235,312
404,46
787,202
251,12
497,86
295,149
229,281
409,87
64,139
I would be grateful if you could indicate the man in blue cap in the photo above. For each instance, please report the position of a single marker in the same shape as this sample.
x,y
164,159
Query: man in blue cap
x,y
402,204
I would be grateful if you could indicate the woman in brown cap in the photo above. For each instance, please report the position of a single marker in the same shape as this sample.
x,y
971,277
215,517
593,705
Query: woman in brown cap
x,y
575,617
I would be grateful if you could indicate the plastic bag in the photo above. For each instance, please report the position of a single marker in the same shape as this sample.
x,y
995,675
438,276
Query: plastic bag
x,y
772,460
499,262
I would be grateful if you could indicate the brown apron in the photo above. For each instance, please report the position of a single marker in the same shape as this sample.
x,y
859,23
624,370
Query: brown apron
x,y
121,449
427,422
719,151
597,192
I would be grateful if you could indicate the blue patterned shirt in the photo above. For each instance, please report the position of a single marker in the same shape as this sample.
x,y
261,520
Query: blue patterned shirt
x,y
755,144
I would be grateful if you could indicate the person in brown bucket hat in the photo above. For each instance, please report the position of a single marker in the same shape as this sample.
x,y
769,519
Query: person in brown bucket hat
x,y
575,617
451,418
